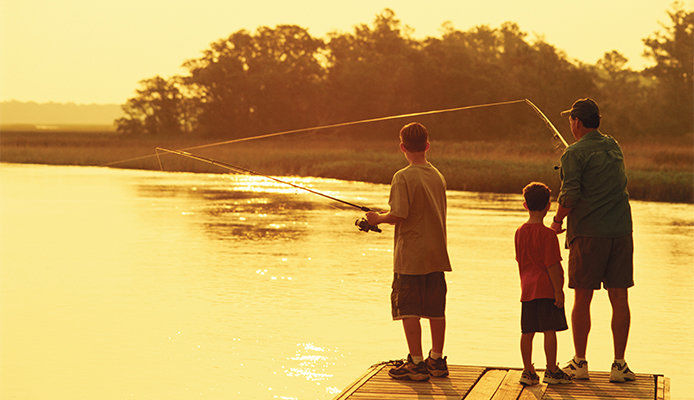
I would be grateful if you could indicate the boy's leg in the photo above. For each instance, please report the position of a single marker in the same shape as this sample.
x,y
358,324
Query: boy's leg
x,y
551,350
413,334
580,320
526,345
438,334
621,319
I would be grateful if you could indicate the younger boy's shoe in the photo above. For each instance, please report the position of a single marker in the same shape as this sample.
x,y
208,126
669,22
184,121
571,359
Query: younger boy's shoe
x,y
410,371
577,369
437,367
556,377
621,373
529,378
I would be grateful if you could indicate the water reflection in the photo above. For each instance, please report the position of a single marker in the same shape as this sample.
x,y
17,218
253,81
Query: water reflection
x,y
248,207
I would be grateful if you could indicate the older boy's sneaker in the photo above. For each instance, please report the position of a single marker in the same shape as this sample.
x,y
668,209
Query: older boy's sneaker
x,y
556,377
621,373
437,367
577,369
529,378
410,371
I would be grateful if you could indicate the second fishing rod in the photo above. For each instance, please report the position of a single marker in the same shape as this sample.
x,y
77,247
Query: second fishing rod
x,y
362,224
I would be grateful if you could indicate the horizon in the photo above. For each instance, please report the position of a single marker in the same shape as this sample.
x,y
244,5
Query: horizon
x,y
92,54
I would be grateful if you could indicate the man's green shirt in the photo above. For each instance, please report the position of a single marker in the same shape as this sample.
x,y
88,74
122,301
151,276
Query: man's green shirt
x,y
594,186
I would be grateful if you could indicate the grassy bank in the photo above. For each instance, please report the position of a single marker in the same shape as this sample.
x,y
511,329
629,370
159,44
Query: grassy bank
x,y
657,172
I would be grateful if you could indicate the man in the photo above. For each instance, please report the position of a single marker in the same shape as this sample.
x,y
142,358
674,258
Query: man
x,y
599,233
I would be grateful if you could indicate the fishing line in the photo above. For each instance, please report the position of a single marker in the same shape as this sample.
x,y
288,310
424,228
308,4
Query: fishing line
x,y
556,133
362,224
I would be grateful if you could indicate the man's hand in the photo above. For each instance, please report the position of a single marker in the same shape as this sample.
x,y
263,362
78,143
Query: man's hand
x,y
373,218
559,299
556,226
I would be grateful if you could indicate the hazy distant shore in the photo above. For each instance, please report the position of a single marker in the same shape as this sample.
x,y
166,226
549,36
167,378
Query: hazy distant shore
x,y
657,171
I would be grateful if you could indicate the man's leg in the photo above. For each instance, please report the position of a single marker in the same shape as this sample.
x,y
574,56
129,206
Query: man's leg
x,y
621,319
438,334
413,334
580,320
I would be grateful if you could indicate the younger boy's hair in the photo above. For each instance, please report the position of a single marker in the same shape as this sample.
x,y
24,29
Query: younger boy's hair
x,y
414,136
536,196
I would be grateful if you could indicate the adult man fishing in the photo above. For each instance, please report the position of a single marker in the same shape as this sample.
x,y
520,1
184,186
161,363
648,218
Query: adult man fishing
x,y
599,233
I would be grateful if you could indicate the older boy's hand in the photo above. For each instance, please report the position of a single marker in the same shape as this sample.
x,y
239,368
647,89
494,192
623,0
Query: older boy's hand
x,y
559,299
372,217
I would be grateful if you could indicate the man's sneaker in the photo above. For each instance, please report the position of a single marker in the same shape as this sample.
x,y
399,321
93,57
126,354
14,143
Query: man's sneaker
x,y
410,371
621,373
577,369
556,377
437,367
529,378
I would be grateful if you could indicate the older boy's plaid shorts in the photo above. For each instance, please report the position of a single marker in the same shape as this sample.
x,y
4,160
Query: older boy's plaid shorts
x,y
421,296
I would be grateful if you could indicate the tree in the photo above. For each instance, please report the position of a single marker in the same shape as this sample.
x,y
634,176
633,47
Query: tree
x,y
267,81
157,109
673,52
371,72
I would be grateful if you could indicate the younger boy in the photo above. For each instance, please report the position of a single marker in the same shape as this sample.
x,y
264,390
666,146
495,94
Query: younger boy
x,y
418,211
542,282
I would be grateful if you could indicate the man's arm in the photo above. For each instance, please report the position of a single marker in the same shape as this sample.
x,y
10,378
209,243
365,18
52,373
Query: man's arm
x,y
556,275
375,218
570,191
558,219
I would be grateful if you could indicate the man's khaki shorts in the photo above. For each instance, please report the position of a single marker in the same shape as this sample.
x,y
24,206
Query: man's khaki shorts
x,y
594,260
422,296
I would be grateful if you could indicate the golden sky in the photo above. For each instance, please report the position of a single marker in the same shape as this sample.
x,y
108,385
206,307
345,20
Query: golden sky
x,y
93,51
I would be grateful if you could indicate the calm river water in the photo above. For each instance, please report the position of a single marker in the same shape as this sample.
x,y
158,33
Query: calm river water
x,y
119,284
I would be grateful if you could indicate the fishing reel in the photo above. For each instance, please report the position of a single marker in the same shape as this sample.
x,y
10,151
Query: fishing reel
x,y
363,225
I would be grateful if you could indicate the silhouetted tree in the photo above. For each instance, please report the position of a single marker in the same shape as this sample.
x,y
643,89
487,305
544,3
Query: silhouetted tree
x,y
157,109
270,80
673,52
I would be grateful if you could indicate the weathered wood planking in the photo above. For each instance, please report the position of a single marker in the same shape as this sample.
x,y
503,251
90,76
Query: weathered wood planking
x,y
490,383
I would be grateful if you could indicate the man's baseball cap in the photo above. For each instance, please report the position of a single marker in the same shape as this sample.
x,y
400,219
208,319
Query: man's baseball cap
x,y
583,109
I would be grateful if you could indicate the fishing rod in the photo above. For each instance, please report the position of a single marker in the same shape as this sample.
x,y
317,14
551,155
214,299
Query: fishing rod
x,y
361,223
555,133
549,123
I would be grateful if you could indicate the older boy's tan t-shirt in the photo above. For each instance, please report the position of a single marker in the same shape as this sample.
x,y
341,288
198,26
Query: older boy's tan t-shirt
x,y
418,195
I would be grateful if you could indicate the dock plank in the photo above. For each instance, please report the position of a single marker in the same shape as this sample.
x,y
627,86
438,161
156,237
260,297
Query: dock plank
x,y
662,388
510,388
485,388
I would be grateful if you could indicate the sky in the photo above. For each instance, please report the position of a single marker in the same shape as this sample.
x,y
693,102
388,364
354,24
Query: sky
x,y
88,51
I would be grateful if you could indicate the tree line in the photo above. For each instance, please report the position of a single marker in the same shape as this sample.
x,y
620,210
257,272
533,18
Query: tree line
x,y
283,78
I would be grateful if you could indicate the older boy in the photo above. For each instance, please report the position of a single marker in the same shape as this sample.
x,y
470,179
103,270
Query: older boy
x,y
418,211
542,286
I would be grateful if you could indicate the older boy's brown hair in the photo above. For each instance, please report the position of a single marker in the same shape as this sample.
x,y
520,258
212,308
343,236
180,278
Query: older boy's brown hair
x,y
536,196
414,136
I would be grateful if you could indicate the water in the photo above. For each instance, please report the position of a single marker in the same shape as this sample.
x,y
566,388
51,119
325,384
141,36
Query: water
x,y
119,284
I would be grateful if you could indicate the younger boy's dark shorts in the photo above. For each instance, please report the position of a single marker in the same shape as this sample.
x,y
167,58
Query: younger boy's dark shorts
x,y
541,315
422,296
594,261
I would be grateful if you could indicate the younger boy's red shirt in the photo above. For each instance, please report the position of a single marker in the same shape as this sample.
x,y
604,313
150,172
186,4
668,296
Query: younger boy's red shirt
x,y
537,248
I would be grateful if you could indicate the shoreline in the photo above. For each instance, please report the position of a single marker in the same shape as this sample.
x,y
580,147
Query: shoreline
x,y
656,172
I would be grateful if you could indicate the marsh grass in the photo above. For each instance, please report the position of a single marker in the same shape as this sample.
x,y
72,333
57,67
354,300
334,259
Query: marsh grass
x,y
658,172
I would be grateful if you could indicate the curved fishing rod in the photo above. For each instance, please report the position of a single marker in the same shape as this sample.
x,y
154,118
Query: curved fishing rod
x,y
549,123
362,224
343,124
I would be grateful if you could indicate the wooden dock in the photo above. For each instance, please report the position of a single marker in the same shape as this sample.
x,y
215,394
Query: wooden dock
x,y
489,383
